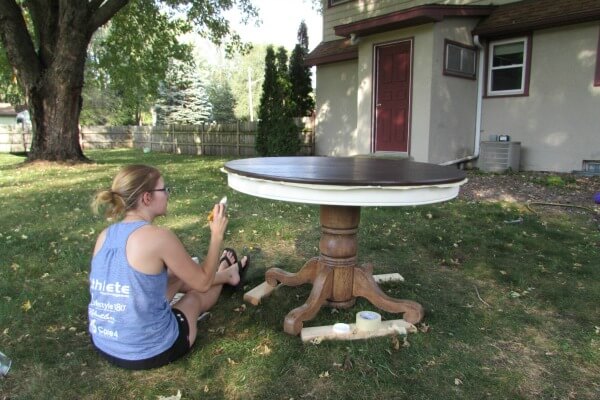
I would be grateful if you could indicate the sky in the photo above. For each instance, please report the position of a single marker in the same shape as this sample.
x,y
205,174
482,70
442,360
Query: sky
x,y
280,22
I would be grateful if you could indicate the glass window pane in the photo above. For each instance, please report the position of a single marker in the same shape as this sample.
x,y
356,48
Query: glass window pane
x,y
508,54
453,58
507,79
469,62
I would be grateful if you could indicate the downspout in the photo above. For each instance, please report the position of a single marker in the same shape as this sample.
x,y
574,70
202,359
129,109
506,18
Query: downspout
x,y
480,82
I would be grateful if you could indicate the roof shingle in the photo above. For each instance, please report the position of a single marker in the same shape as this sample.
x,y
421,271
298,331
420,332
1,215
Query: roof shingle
x,y
528,15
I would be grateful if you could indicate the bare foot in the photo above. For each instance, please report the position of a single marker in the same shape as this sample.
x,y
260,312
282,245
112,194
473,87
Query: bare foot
x,y
234,272
227,255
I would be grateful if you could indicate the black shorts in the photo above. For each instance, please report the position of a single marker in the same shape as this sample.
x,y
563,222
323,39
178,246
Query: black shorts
x,y
180,348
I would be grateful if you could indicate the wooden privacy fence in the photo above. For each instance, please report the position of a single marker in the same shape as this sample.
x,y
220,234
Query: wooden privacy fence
x,y
14,139
236,139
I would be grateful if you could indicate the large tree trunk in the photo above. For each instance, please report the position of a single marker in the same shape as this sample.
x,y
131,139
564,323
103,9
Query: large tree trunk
x,y
55,105
50,61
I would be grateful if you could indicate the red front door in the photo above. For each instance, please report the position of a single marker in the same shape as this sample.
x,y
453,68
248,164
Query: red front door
x,y
392,97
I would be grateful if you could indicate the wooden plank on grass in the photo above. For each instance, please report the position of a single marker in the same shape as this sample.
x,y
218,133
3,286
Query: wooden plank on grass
x,y
254,296
391,327
395,277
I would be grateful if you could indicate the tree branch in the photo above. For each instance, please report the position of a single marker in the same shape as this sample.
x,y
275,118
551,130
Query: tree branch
x,y
103,14
18,44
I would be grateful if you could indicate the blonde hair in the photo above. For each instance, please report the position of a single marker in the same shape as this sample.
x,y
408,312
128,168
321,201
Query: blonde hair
x,y
129,184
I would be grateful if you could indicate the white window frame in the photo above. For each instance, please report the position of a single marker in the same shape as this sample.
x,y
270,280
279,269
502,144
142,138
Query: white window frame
x,y
524,66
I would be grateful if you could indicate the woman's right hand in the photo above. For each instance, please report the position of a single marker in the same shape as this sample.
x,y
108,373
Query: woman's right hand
x,y
218,225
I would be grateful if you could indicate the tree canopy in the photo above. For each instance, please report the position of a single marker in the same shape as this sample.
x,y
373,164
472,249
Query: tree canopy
x,y
46,46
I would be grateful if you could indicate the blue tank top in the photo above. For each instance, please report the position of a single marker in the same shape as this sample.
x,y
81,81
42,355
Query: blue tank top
x,y
129,315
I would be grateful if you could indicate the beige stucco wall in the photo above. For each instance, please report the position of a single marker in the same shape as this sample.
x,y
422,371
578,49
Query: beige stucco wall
x,y
558,124
345,96
442,116
453,99
361,9
336,95
422,39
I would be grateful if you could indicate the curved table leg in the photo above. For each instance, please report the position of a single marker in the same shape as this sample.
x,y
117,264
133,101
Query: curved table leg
x,y
306,274
321,290
365,286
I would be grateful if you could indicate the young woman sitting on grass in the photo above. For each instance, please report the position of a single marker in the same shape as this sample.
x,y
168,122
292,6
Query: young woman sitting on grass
x,y
137,269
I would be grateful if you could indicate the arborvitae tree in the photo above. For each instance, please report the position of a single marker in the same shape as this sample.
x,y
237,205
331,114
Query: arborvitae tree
x,y
277,132
300,77
303,35
286,136
268,104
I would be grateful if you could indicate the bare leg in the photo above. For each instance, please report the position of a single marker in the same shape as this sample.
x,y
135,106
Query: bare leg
x,y
194,303
175,285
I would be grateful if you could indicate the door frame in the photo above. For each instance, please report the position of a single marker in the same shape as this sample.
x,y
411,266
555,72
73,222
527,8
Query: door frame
x,y
376,47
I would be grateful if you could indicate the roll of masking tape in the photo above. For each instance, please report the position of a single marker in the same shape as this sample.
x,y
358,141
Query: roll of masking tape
x,y
341,328
367,321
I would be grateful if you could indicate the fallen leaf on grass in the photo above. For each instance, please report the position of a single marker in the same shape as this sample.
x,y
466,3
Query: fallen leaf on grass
x,y
405,342
220,330
240,309
26,306
176,397
15,267
347,363
262,349
457,381
206,389
230,361
324,374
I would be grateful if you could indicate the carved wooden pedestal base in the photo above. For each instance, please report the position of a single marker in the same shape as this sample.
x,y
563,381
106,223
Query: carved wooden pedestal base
x,y
335,277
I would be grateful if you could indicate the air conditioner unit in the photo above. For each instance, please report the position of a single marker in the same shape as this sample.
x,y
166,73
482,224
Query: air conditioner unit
x,y
500,156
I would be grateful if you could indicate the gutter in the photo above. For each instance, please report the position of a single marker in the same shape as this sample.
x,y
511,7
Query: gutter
x,y
480,82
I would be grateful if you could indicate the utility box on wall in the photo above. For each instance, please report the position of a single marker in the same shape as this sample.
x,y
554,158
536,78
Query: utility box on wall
x,y
500,156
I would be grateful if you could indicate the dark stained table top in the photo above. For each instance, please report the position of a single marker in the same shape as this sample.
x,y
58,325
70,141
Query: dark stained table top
x,y
347,171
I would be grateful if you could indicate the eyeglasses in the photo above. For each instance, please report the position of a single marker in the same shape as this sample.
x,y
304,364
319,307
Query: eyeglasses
x,y
166,189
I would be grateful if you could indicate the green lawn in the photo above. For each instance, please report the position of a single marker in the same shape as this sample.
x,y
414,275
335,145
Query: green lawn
x,y
511,309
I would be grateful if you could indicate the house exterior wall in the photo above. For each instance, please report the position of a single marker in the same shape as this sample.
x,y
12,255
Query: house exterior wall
x,y
336,95
422,38
442,117
357,10
558,123
344,97
453,99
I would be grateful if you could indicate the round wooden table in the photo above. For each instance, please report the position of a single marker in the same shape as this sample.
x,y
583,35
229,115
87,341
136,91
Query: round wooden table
x,y
341,186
